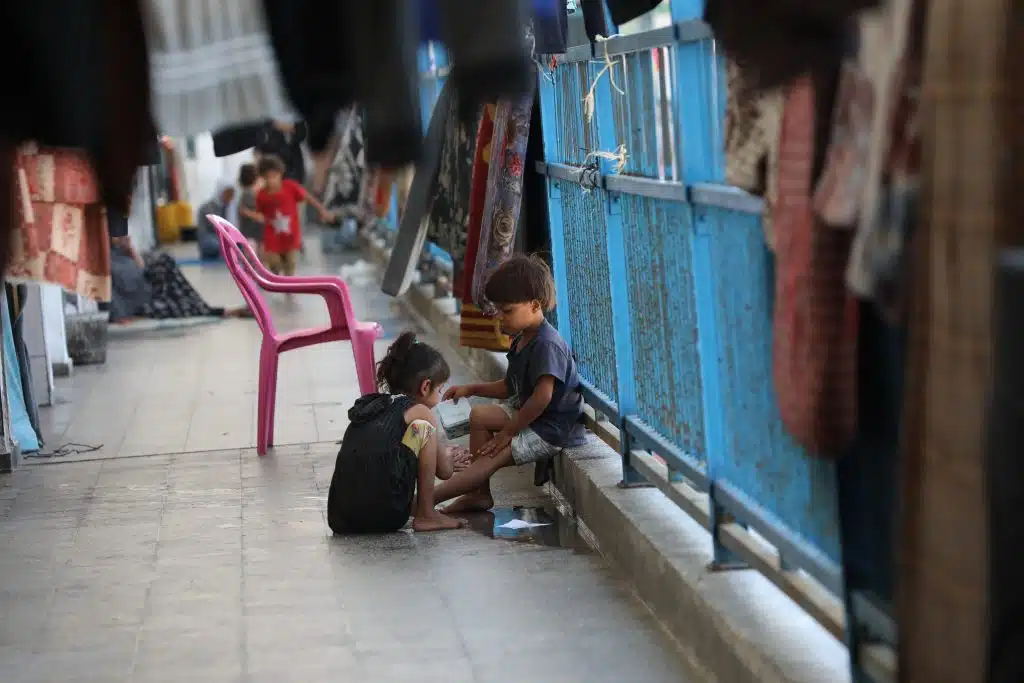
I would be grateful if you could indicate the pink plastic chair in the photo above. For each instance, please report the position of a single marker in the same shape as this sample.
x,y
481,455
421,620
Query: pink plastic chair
x,y
252,276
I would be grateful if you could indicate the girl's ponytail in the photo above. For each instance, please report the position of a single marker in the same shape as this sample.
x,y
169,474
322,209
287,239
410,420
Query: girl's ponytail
x,y
407,363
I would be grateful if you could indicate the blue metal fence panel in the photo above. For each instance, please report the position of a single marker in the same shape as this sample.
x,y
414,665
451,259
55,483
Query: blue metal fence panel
x,y
588,285
575,137
666,361
758,457
636,113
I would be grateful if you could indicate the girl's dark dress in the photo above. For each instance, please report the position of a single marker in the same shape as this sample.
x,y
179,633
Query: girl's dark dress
x,y
375,474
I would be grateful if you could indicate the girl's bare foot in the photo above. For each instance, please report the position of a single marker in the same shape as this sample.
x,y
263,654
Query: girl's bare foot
x,y
471,502
437,521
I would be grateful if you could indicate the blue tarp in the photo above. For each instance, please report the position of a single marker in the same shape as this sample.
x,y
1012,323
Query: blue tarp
x,y
21,425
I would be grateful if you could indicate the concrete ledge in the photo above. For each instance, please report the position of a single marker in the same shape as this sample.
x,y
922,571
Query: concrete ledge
x,y
735,627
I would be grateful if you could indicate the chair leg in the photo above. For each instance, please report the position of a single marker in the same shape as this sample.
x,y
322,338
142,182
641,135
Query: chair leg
x,y
267,399
366,365
272,401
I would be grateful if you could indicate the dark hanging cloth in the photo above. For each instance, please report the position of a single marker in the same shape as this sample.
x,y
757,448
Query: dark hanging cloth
x,y
287,147
448,215
375,474
82,81
533,218
628,10
594,21
266,139
1004,477
234,139
376,64
550,27
412,228
117,222
775,41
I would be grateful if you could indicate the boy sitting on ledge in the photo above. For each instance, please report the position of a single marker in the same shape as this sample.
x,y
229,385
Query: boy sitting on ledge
x,y
540,406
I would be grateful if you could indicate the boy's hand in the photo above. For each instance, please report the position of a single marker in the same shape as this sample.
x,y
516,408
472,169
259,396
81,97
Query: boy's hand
x,y
496,445
327,216
456,393
461,457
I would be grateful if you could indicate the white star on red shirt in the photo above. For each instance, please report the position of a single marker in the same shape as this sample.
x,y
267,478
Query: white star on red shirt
x,y
282,224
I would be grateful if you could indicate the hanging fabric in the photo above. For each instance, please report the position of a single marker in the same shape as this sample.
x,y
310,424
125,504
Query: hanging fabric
x,y
212,64
412,229
21,425
448,215
346,176
61,232
477,330
891,165
16,296
81,78
500,218
814,350
775,41
752,140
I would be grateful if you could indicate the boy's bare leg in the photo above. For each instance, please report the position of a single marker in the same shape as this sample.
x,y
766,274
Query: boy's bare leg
x,y
484,422
467,484
425,517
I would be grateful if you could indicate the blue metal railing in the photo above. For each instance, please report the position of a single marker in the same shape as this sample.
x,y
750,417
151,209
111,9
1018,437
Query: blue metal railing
x,y
665,292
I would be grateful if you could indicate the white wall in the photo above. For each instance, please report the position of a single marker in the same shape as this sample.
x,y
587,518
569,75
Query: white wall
x,y
203,172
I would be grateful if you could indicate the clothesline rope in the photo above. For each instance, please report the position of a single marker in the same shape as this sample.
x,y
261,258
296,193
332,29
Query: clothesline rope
x,y
609,63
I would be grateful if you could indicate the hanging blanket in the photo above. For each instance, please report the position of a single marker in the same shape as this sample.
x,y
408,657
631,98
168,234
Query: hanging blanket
x,y
477,330
504,192
60,235
211,64
448,216
814,351
347,176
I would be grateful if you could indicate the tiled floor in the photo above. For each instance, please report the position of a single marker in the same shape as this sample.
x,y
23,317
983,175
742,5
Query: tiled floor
x,y
217,565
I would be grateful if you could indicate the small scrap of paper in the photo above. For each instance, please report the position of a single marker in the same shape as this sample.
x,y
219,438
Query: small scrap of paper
x,y
520,524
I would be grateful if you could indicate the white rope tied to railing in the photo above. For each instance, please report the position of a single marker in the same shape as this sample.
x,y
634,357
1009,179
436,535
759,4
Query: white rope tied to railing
x,y
619,156
591,173
609,63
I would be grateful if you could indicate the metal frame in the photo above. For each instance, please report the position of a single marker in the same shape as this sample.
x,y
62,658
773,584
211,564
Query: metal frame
x,y
685,31
640,186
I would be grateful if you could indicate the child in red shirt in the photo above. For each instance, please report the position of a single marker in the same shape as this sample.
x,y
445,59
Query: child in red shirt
x,y
278,206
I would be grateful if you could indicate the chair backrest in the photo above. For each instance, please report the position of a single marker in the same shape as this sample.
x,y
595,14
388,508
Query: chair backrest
x,y
244,266
253,278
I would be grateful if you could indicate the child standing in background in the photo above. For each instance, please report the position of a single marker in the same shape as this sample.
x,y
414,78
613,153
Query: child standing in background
x,y
250,221
277,204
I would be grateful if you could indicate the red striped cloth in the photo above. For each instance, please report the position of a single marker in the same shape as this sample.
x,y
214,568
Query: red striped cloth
x,y
814,350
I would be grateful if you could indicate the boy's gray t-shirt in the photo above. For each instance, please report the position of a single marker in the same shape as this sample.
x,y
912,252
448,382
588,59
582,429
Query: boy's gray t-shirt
x,y
250,228
547,354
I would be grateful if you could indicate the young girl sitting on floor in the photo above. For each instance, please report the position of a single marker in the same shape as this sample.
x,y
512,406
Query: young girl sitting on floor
x,y
392,450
